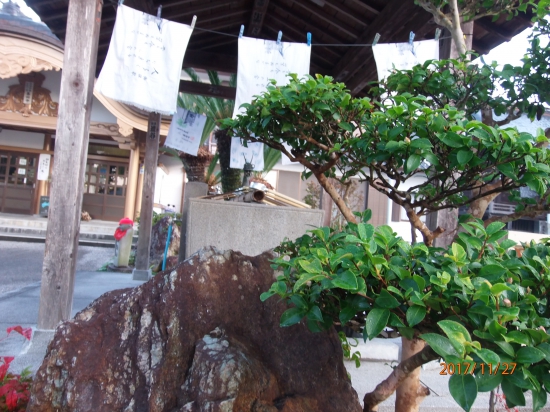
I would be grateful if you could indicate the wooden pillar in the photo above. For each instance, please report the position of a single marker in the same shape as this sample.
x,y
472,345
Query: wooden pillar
x,y
131,185
141,271
71,150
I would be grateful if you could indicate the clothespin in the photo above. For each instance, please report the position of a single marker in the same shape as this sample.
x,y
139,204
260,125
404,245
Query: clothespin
x,y
279,37
242,31
437,33
309,39
159,11
193,22
376,38
411,38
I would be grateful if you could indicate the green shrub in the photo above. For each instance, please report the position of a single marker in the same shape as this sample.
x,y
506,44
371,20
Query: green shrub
x,y
475,303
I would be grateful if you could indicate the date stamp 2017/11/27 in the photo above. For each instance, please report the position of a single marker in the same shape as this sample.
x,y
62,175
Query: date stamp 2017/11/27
x,y
477,368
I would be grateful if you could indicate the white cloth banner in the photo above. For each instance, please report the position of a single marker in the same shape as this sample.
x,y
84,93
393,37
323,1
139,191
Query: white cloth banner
x,y
43,172
254,154
143,64
186,131
259,62
285,160
403,56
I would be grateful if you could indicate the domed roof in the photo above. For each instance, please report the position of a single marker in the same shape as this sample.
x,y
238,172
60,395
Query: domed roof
x,y
12,20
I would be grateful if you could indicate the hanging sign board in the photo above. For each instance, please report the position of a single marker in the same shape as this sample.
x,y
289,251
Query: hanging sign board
x,y
186,131
43,167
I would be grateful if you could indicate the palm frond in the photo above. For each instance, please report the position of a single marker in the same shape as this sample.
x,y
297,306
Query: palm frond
x,y
271,157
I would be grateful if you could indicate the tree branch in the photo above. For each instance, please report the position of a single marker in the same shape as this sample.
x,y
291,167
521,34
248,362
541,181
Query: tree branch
x,y
384,389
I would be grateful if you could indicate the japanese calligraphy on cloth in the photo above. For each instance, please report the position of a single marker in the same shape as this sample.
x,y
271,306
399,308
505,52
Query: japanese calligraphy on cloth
x,y
186,131
254,154
260,61
143,64
403,56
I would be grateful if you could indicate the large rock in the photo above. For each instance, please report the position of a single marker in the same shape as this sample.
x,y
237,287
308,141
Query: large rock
x,y
196,339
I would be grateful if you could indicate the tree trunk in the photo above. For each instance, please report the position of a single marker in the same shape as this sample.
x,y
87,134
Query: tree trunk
x,y
230,178
385,388
329,188
411,392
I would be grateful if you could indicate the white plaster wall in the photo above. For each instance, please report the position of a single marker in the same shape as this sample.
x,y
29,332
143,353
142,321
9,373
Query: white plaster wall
x,y
169,187
403,228
26,140
52,83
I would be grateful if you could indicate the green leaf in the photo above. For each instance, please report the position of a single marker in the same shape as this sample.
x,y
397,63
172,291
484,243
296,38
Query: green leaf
x,y
464,156
494,227
463,388
440,344
514,394
492,272
488,356
311,267
376,321
345,280
415,314
497,330
450,326
528,354
266,295
539,400
365,231
406,332
346,126
506,348
498,288
421,144
413,162
307,277
315,314
292,316
386,300
507,170
347,314
545,347
485,381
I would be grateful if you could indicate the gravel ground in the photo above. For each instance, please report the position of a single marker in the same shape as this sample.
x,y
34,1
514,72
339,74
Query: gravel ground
x,y
21,262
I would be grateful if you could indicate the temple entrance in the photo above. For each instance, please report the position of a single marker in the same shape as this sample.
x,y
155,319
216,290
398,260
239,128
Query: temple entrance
x,y
105,189
17,182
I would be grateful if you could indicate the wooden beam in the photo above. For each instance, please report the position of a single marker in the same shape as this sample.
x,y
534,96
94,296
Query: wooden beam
x,y
397,12
361,3
288,20
349,13
205,89
257,18
71,149
146,214
199,59
320,14
486,24
197,9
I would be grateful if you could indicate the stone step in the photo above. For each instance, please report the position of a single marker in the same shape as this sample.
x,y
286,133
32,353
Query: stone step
x,y
33,228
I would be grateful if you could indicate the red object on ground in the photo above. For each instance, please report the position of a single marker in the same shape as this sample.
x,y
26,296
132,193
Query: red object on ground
x,y
120,232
